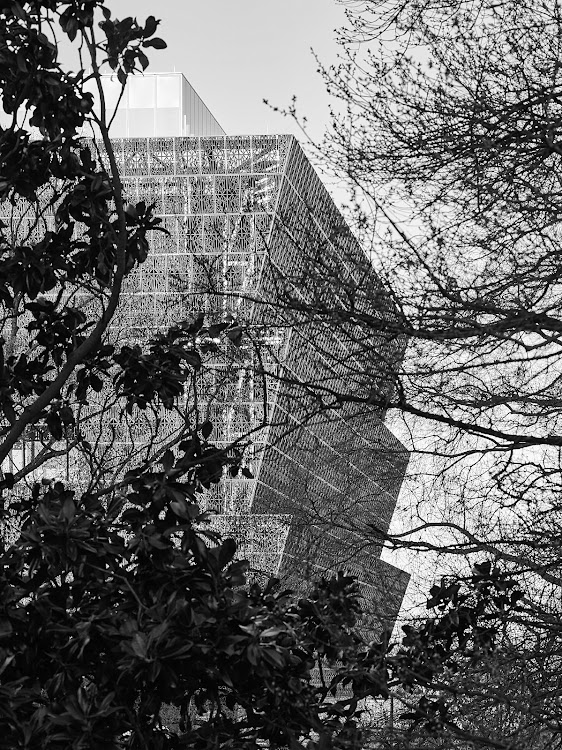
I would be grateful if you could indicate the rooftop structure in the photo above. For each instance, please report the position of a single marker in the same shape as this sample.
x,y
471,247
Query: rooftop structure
x,y
155,104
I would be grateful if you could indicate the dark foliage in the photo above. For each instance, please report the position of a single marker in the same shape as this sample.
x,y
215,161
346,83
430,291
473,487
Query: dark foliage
x,y
107,615
117,601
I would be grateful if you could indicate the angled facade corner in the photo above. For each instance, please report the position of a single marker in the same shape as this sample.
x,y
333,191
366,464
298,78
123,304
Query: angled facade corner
x,y
249,223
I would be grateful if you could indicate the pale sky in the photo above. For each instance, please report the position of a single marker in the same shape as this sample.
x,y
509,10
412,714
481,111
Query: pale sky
x,y
236,53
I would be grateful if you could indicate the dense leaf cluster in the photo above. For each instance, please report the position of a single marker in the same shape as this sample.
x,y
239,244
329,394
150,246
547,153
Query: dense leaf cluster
x,y
118,601
106,616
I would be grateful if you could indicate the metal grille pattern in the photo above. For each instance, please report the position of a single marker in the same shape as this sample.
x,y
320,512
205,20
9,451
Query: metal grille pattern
x,y
216,197
251,224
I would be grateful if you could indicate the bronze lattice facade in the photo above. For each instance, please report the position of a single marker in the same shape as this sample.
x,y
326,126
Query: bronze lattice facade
x,y
253,234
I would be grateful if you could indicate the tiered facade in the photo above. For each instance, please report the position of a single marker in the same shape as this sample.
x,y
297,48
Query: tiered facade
x,y
253,234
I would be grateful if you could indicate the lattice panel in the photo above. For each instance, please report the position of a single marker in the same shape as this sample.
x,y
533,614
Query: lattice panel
x,y
193,156
175,198
135,156
218,202
187,156
330,472
213,155
162,156
230,496
238,154
260,539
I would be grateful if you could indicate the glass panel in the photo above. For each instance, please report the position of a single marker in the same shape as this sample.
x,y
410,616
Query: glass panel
x,y
168,122
141,123
141,92
168,91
